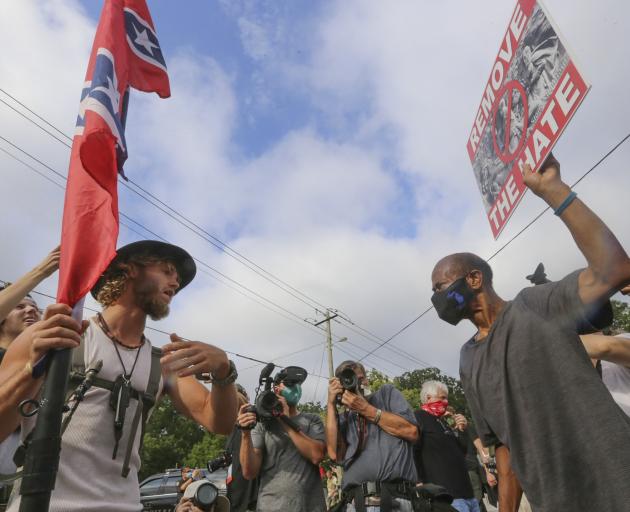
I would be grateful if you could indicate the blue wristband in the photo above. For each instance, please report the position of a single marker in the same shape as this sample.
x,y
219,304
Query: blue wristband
x,y
569,199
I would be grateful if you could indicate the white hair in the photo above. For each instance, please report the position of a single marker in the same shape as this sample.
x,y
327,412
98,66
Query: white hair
x,y
432,388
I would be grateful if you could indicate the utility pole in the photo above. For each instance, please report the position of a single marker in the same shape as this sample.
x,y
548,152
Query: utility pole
x,y
331,368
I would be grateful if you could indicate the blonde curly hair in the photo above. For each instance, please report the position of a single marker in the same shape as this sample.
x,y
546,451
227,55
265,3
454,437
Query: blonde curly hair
x,y
116,277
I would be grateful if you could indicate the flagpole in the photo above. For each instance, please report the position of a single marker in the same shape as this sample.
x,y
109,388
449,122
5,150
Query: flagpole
x,y
42,455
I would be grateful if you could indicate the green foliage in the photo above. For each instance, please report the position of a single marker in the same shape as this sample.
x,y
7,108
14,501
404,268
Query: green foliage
x,y
410,384
313,407
621,322
173,440
377,379
209,447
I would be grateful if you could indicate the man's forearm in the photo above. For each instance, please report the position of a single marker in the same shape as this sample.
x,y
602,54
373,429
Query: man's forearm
x,y
247,457
510,490
607,261
19,386
11,296
215,410
310,449
224,408
332,433
393,424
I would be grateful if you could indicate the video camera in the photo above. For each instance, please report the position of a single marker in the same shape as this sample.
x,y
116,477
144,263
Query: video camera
x,y
266,404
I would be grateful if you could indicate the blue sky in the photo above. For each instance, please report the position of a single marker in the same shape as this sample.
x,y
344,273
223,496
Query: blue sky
x,y
325,141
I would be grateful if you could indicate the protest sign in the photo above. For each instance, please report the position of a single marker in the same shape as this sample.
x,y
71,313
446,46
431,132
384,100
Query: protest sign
x,y
533,91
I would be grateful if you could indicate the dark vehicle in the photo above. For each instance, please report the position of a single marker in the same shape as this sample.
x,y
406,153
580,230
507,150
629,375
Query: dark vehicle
x,y
159,492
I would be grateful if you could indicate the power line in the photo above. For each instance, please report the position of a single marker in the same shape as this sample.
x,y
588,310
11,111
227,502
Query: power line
x,y
300,321
404,328
211,241
293,316
235,354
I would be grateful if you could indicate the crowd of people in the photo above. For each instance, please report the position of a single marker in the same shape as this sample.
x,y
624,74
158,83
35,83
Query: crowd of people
x,y
548,393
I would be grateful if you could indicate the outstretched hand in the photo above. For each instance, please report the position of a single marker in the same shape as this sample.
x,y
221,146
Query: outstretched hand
x,y
186,358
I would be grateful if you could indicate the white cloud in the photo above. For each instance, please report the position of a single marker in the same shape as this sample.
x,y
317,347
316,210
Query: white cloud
x,y
391,88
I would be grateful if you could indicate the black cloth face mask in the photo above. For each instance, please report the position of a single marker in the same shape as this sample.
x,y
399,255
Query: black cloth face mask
x,y
452,304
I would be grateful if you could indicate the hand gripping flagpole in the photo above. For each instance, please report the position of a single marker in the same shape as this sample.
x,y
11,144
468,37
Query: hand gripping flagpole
x,y
42,455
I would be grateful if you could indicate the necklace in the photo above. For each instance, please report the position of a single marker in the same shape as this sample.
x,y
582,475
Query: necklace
x,y
103,325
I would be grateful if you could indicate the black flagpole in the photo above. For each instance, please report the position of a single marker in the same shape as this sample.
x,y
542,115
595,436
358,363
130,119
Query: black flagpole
x,y
42,455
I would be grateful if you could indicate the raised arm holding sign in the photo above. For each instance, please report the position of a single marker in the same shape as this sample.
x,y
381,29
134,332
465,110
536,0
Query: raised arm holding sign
x,y
533,91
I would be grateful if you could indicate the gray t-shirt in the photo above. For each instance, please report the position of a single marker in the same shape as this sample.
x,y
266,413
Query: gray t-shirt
x,y
531,386
384,457
288,482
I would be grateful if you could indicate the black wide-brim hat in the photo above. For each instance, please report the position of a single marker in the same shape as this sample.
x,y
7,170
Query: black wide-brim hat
x,y
291,375
184,263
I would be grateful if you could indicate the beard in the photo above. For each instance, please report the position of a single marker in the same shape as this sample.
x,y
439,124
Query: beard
x,y
147,299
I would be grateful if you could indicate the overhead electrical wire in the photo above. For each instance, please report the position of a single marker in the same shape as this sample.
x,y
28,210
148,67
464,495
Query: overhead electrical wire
x,y
199,231
235,354
293,317
498,251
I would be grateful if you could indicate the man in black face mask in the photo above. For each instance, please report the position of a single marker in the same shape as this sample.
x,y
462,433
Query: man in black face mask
x,y
528,380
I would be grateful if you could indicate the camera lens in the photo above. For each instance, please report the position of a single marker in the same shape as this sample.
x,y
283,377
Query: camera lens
x,y
206,495
349,380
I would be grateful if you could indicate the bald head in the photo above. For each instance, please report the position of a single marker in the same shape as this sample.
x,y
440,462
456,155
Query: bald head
x,y
457,265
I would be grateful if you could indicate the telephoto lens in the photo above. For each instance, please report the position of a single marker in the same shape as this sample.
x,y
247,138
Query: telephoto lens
x,y
203,494
222,461
349,380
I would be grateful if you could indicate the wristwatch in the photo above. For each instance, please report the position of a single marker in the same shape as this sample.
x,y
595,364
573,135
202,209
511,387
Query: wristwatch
x,y
226,381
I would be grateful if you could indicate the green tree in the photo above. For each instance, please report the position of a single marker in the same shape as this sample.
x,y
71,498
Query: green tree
x,y
377,379
173,440
621,322
209,447
313,407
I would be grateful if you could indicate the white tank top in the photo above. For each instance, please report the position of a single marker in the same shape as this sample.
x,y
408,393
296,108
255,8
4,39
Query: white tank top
x,y
88,479
617,380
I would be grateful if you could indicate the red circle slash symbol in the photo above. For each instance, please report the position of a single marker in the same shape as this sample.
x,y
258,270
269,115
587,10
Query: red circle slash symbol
x,y
509,127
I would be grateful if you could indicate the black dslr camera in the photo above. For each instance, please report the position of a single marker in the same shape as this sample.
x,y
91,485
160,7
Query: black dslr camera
x,y
222,461
266,404
349,382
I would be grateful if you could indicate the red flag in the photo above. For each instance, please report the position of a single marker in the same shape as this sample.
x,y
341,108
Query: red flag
x,y
126,53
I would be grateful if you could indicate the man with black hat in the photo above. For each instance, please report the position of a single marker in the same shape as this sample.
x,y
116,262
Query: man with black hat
x,y
100,457
286,458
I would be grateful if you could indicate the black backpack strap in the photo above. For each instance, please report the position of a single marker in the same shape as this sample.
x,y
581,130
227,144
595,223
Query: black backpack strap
x,y
77,368
145,402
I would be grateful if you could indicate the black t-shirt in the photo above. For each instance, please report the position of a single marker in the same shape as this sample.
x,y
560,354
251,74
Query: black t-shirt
x,y
242,493
440,457
468,436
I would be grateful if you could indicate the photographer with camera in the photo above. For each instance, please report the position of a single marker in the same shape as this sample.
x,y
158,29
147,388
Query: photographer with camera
x,y
203,496
241,492
373,440
282,445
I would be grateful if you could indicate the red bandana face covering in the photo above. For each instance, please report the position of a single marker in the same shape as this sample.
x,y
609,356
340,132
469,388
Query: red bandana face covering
x,y
437,408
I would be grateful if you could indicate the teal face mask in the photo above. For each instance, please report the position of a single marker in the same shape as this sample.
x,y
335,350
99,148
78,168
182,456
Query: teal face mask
x,y
292,394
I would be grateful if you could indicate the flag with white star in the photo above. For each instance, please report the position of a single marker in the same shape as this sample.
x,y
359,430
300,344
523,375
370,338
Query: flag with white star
x,y
126,53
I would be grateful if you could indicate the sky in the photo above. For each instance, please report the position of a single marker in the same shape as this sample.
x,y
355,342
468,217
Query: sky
x,y
325,142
